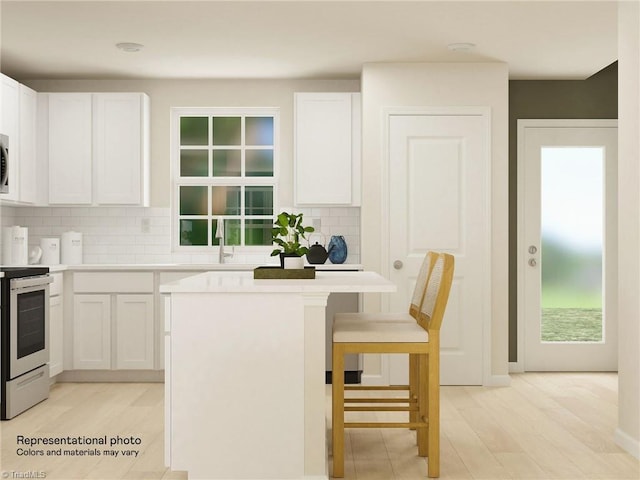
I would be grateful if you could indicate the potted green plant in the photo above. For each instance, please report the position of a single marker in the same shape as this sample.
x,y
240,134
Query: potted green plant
x,y
287,232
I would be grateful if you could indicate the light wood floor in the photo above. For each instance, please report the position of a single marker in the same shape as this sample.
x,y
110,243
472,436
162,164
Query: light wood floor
x,y
545,426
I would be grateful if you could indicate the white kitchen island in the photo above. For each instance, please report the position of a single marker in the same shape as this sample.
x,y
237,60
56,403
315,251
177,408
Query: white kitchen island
x,y
245,373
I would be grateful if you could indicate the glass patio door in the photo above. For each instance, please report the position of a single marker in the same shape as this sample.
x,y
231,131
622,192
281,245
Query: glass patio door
x,y
567,243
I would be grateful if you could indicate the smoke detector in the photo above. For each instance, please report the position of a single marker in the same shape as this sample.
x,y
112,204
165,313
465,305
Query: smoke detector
x,y
129,46
461,47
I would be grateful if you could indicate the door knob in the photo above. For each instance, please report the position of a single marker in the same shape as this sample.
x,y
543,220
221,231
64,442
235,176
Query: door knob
x,y
532,262
398,264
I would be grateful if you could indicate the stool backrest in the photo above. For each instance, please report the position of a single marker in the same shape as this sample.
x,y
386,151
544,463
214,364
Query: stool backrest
x,y
421,284
436,294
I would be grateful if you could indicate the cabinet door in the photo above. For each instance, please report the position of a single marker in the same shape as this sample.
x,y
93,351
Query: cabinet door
x,y
28,190
323,149
56,336
119,148
92,332
162,318
10,126
134,332
70,148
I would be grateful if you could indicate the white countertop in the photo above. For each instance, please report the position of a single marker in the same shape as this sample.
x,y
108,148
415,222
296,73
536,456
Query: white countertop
x,y
243,282
184,267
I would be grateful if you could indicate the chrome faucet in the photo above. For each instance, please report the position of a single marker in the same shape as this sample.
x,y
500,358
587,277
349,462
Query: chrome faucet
x,y
220,236
221,254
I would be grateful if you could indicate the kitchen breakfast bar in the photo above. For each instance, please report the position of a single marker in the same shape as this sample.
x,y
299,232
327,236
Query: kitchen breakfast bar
x,y
245,373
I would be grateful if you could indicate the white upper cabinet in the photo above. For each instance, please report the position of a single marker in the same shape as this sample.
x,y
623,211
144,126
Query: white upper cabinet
x,y
70,148
98,148
28,171
121,156
10,126
18,122
327,149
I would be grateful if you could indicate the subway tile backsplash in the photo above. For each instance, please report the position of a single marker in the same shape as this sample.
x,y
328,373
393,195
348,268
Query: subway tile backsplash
x,y
143,235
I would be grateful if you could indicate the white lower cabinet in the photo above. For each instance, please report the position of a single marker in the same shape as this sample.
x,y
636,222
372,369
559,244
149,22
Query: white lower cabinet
x,y
92,332
56,325
134,332
163,352
113,321
106,338
56,336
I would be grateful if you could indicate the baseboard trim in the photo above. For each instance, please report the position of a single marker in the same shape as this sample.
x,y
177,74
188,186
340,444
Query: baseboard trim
x,y
516,367
111,376
626,442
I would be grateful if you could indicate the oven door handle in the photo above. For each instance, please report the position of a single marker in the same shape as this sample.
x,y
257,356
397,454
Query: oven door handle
x,y
19,283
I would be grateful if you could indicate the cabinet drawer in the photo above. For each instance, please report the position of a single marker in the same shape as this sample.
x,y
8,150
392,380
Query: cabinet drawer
x,y
113,282
55,288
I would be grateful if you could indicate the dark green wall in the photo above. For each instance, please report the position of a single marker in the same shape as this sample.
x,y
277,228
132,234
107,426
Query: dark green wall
x,y
595,97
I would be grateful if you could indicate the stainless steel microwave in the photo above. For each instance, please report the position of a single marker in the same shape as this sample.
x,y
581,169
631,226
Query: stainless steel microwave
x,y
4,164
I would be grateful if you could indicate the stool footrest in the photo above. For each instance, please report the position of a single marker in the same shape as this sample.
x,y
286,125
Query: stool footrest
x,y
381,409
378,400
386,425
373,388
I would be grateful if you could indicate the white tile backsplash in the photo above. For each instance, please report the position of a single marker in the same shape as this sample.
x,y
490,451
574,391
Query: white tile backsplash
x,y
114,234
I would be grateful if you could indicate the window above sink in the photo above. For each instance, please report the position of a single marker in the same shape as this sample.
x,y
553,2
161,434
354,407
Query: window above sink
x,y
224,169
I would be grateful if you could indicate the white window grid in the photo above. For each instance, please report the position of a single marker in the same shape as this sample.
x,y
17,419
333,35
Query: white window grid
x,y
209,181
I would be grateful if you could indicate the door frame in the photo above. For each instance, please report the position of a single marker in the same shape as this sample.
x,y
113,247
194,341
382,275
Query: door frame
x,y
521,255
385,258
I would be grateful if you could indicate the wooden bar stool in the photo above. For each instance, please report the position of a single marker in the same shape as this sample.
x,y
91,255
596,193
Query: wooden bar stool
x,y
419,339
411,317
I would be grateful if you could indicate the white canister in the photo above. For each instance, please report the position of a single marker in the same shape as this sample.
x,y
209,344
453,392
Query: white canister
x,y
15,245
50,251
7,235
71,248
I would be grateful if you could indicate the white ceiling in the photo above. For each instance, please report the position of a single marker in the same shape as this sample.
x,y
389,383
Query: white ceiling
x,y
300,39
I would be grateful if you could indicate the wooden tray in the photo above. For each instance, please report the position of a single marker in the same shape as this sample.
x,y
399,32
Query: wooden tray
x,y
262,273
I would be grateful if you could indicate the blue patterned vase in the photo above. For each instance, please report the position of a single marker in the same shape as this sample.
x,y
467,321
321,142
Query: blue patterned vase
x,y
337,249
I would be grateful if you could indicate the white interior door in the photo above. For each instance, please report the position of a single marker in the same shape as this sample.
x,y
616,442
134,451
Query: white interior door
x,y
439,200
568,244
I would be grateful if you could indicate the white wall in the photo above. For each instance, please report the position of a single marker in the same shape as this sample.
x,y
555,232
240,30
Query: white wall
x,y
628,431
431,85
166,94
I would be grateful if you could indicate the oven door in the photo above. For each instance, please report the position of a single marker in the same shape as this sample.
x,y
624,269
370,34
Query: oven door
x,y
28,324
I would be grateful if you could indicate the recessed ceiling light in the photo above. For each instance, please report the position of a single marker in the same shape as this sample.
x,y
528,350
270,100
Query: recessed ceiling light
x,y
130,46
461,47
